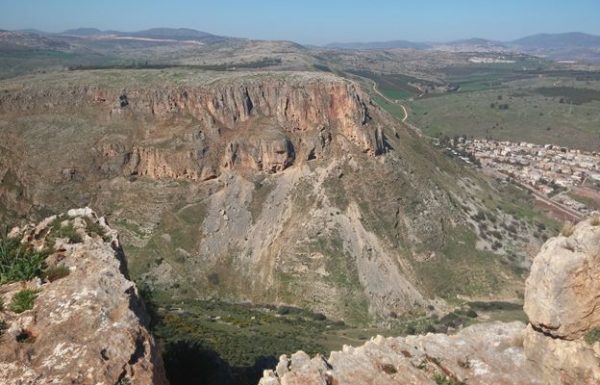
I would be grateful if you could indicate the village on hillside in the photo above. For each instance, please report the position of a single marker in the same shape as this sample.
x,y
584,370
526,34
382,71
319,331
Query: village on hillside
x,y
548,169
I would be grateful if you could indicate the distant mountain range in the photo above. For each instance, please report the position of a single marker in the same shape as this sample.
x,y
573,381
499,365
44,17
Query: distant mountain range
x,y
179,34
379,45
562,46
540,41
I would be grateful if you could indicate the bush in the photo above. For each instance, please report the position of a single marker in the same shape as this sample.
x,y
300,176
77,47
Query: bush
x,y
595,221
592,336
19,262
93,227
56,272
23,301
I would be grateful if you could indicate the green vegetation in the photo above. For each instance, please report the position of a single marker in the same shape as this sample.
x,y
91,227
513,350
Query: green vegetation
x,y
3,327
19,262
441,379
464,270
514,105
23,301
60,230
571,95
93,227
592,336
255,64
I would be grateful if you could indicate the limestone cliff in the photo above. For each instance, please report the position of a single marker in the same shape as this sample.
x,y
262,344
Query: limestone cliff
x,y
561,345
255,123
87,325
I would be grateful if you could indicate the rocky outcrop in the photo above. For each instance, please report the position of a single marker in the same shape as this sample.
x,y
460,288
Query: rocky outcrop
x,y
258,122
88,324
562,301
561,345
482,354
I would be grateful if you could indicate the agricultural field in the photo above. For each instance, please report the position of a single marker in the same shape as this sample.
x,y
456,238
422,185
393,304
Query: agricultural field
x,y
542,109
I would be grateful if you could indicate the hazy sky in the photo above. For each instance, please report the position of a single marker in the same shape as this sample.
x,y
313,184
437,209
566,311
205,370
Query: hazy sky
x,y
314,21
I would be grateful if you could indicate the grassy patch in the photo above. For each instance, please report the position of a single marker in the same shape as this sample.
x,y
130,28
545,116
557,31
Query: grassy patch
x,y
93,227
19,262
571,95
461,269
23,301
60,230
537,112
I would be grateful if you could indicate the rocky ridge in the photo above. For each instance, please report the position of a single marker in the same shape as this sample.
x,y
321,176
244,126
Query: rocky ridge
x,y
258,123
86,327
560,346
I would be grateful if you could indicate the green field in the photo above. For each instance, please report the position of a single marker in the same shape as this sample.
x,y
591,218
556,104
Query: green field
x,y
541,110
523,101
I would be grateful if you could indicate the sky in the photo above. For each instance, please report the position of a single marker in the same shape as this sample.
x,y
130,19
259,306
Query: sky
x,y
314,21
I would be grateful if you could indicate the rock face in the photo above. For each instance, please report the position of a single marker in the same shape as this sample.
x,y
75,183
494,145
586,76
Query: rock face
x,y
562,300
482,354
88,327
561,345
254,123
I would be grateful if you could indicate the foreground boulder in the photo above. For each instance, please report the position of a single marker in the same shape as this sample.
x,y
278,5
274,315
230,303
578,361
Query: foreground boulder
x,y
561,345
562,301
87,324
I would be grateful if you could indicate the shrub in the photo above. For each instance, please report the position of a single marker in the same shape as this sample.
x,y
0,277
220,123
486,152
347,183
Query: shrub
x,y
440,379
93,227
68,231
592,336
3,327
595,221
19,262
56,272
568,229
23,301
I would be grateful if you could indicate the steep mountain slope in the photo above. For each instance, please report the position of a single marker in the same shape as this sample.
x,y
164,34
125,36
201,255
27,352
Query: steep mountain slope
x,y
275,187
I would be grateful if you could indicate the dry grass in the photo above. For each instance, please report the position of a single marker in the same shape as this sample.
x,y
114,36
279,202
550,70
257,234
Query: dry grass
x,y
595,221
568,229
